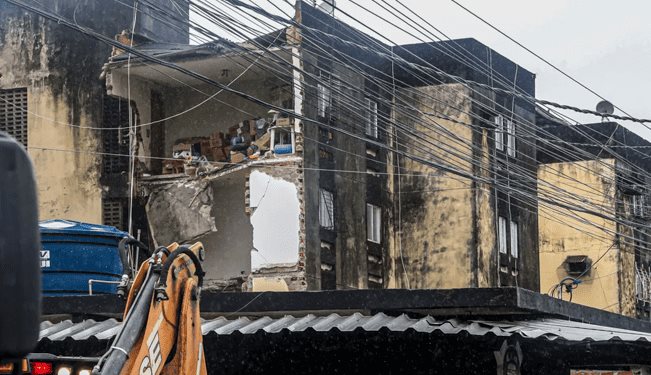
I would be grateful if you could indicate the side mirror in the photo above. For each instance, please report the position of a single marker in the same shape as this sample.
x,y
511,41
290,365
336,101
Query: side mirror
x,y
20,273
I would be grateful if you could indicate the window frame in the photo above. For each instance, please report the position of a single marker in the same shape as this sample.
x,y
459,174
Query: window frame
x,y
371,117
326,209
373,223
638,203
502,235
511,149
324,99
514,237
499,132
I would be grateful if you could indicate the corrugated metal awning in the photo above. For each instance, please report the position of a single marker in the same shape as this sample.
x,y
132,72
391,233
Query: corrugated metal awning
x,y
550,329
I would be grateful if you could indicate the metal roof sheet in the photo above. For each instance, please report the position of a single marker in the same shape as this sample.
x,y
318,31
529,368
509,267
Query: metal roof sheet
x,y
550,329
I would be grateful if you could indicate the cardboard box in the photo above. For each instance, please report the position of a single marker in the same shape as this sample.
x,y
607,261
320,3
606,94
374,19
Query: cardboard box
x,y
263,142
284,122
179,147
219,154
237,157
204,146
252,128
217,139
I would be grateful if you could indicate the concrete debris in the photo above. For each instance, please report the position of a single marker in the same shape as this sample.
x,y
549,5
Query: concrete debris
x,y
180,212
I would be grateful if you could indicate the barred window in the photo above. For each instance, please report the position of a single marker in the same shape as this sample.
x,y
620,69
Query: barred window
x,y
13,113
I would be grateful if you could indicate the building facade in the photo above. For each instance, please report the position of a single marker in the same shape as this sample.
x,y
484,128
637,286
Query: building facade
x,y
52,101
367,173
604,241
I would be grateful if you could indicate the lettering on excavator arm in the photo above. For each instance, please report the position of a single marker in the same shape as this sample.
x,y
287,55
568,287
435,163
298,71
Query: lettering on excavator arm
x,y
151,363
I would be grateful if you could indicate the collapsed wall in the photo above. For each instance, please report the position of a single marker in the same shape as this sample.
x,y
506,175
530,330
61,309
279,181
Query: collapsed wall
x,y
248,219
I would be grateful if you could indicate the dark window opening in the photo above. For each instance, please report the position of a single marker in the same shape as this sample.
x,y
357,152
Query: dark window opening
x,y
578,265
328,266
115,142
325,155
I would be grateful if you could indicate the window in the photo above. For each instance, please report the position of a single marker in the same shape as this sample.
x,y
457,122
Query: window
x,y
578,265
499,133
112,213
371,118
515,250
328,266
373,223
638,203
115,141
323,101
326,210
510,137
501,231
13,113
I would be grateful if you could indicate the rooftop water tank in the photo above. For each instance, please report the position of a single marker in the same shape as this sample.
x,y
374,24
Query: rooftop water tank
x,y
72,253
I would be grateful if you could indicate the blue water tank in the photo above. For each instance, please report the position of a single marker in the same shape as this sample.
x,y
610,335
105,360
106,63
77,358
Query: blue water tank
x,y
72,253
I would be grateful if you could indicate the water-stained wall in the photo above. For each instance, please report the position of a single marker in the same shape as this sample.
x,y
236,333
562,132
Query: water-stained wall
x,y
436,207
562,235
60,69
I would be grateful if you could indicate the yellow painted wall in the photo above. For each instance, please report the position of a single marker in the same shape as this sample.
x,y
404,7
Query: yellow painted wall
x,y
37,55
561,235
436,255
68,182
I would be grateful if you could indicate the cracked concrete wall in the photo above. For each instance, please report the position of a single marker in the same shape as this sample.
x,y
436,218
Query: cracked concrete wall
x,y
248,220
210,211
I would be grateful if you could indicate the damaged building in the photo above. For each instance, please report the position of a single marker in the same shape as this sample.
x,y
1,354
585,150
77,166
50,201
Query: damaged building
x,y
322,192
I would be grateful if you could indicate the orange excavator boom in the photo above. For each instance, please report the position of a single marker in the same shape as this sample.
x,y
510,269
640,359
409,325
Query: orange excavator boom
x,y
161,330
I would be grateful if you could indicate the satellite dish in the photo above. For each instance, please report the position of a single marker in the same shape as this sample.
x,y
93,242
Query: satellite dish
x,y
328,6
605,108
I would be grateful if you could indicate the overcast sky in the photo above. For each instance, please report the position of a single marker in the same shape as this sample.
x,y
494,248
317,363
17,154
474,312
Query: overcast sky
x,y
604,44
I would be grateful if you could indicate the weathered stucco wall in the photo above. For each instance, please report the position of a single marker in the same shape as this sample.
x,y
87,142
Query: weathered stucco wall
x,y
60,70
561,236
437,211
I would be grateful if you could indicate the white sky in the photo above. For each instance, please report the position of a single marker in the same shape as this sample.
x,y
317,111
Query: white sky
x,y
604,44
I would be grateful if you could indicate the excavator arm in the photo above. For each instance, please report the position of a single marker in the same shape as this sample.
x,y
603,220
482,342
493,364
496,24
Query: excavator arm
x,y
161,330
